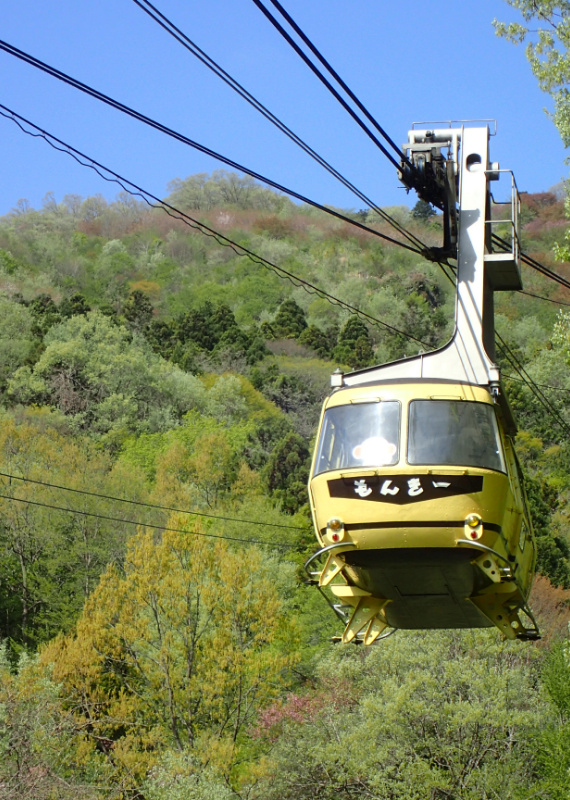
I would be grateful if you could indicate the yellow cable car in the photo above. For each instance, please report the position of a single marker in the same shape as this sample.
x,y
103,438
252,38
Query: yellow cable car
x,y
415,488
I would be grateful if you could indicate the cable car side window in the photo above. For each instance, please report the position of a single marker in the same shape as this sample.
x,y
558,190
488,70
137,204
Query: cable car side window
x,y
360,435
455,433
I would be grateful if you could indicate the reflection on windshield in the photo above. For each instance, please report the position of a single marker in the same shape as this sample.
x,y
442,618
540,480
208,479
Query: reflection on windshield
x,y
359,435
454,432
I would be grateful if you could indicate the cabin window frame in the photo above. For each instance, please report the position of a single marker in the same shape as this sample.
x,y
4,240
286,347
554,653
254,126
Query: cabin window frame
x,y
456,464
320,444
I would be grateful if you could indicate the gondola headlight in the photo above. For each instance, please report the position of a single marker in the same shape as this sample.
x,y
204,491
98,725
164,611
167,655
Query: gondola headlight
x,y
474,526
335,529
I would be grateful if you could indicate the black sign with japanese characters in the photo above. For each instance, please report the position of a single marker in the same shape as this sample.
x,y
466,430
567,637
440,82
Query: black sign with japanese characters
x,y
401,489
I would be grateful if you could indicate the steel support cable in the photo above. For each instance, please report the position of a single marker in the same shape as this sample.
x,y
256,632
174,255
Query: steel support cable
x,y
541,385
539,297
12,477
175,213
528,381
76,84
532,262
540,396
220,238
212,65
275,545
337,77
548,273
327,83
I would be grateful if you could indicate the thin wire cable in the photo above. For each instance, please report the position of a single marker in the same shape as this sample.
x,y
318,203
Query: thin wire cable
x,y
294,279
212,65
532,262
546,271
175,213
528,381
149,505
540,396
327,83
276,545
337,77
221,239
542,385
97,95
539,297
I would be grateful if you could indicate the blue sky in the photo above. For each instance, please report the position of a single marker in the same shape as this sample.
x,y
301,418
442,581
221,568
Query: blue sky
x,y
406,61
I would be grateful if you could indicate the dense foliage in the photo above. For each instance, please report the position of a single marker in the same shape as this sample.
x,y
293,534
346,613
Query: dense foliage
x,y
172,650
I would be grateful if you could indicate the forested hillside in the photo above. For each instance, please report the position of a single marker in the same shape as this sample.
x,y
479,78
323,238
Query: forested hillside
x,y
159,398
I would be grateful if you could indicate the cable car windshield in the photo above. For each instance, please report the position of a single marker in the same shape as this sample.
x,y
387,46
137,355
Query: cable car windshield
x,y
454,432
359,435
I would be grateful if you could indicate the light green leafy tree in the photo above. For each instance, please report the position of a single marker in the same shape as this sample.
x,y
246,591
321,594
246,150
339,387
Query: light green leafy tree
x,y
51,560
426,716
547,50
176,651
180,776
38,750
107,380
16,340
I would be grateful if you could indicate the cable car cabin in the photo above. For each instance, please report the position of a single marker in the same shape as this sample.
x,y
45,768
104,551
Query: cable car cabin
x,y
415,489
420,511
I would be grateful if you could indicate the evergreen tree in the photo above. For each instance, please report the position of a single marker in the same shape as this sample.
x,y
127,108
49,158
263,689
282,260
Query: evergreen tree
x,y
289,321
354,345
74,306
422,211
287,472
138,310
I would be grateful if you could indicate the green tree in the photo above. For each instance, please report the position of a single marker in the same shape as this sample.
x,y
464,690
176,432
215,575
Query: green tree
x,y
107,381
422,211
8,262
553,744
438,714
138,310
73,306
354,345
45,312
547,50
39,751
178,650
16,338
51,560
289,322
322,342
287,473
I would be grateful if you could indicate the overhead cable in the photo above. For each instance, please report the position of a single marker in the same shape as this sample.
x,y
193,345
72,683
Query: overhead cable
x,y
546,271
539,395
276,545
541,385
524,376
88,90
147,505
182,216
329,86
165,23
532,262
338,79
539,297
